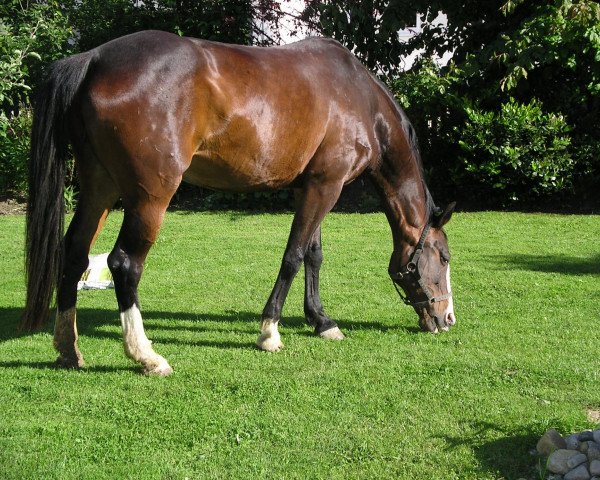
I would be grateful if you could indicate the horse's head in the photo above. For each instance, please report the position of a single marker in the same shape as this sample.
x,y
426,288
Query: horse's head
x,y
425,276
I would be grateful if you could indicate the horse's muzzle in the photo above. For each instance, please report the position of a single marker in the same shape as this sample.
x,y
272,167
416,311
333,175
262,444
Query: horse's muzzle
x,y
436,324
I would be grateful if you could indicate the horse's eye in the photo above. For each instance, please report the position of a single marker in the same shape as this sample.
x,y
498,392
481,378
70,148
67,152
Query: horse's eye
x,y
445,260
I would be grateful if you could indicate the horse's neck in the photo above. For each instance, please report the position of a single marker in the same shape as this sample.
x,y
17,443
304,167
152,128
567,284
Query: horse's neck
x,y
399,177
406,200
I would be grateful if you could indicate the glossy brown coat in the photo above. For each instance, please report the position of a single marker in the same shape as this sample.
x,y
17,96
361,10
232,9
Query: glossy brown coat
x,y
148,110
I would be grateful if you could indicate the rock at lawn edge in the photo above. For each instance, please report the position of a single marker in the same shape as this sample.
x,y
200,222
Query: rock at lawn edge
x,y
572,441
583,447
593,452
562,461
586,436
550,441
580,473
572,457
576,460
595,467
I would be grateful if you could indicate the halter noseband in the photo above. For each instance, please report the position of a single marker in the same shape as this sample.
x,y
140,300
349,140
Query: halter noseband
x,y
411,271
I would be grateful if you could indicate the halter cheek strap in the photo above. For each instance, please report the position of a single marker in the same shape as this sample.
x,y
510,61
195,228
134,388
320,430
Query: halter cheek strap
x,y
411,272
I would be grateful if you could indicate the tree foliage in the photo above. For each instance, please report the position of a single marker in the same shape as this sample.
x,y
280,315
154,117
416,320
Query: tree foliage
x,y
509,57
517,65
31,35
98,21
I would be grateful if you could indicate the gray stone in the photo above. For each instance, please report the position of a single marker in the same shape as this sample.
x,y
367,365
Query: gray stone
x,y
580,473
558,461
597,435
595,467
583,447
550,441
593,452
572,441
586,436
576,460
555,476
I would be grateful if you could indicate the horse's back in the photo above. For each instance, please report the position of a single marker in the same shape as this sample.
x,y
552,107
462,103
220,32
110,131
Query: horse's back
x,y
231,117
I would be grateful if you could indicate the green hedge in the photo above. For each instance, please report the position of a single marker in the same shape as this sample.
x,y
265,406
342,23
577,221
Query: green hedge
x,y
482,145
515,154
490,153
14,152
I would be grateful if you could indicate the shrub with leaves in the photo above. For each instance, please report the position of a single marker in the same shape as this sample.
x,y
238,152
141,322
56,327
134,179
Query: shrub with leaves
x,y
32,34
14,151
516,154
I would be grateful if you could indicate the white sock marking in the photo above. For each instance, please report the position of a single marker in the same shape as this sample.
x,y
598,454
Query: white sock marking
x,y
137,345
269,338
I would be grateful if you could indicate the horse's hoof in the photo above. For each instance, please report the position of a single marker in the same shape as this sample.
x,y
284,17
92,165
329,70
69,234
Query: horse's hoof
x,y
332,334
269,344
71,362
159,369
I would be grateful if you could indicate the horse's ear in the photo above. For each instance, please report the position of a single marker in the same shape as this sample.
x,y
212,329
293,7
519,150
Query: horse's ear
x,y
443,217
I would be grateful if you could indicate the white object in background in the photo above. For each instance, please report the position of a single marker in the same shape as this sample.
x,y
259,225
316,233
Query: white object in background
x,y
97,276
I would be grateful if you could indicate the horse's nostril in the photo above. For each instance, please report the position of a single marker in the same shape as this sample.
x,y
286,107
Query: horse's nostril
x,y
450,319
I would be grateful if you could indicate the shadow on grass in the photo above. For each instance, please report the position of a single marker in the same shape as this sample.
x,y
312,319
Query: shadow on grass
x,y
508,456
550,263
91,322
9,324
52,366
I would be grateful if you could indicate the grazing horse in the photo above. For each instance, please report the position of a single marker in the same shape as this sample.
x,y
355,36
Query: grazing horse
x,y
148,110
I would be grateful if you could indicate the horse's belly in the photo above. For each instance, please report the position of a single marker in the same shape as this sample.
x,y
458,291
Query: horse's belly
x,y
252,152
242,173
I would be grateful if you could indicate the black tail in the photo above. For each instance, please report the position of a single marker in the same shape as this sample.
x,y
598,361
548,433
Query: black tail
x,y
45,206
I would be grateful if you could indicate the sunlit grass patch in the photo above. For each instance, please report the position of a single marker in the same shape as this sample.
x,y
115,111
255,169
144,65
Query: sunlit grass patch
x,y
389,402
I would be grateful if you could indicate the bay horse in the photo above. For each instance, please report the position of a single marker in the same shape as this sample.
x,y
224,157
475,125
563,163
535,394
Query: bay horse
x,y
146,111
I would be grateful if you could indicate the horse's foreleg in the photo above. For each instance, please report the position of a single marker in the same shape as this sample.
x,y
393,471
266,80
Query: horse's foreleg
x,y
269,339
313,308
313,203
126,262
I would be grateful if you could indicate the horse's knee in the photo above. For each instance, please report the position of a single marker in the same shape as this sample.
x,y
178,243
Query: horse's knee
x,y
126,274
123,267
116,262
314,256
291,263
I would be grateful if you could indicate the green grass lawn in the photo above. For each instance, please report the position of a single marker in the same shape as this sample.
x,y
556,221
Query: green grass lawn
x,y
389,402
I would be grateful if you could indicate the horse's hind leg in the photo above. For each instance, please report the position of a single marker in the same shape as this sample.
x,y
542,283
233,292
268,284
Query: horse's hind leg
x,y
96,197
313,203
313,309
126,262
